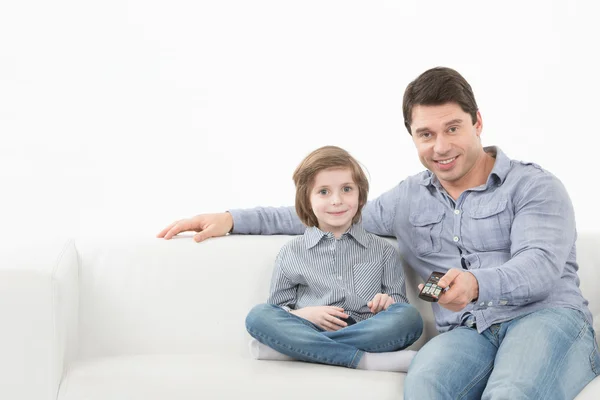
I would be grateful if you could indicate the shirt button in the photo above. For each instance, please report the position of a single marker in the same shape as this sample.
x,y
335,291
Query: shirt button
x,y
490,304
482,303
456,212
455,238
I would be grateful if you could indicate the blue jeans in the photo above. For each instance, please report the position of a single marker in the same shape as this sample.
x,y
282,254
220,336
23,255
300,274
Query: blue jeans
x,y
393,329
548,354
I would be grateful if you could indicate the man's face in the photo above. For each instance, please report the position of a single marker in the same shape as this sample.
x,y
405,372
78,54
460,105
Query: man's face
x,y
447,142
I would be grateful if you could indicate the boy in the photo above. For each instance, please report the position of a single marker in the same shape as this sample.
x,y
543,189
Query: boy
x,y
337,292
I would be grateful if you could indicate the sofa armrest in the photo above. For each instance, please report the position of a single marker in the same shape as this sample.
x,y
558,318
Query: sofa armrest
x,y
38,306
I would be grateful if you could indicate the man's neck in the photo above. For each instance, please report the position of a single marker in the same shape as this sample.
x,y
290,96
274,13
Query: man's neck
x,y
476,177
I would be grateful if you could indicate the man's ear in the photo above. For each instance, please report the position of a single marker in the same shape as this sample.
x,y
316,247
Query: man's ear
x,y
478,124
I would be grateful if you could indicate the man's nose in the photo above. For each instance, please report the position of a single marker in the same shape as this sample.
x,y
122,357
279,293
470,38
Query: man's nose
x,y
442,144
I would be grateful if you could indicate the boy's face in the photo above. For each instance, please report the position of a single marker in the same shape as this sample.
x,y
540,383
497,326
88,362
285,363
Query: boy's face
x,y
334,200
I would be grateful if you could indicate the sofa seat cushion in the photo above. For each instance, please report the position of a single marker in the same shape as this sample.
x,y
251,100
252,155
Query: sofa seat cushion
x,y
193,377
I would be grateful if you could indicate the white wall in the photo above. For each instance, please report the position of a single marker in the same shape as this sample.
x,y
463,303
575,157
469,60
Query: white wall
x,y
123,115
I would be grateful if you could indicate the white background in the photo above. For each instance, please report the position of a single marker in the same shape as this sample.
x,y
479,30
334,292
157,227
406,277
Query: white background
x,y
119,116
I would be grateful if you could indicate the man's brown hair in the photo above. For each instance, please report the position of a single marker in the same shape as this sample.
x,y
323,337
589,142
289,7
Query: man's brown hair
x,y
435,87
324,158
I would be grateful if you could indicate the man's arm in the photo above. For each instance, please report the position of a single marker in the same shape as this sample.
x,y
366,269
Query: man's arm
x,y
378,218
542,237
261,220
378,215
267,221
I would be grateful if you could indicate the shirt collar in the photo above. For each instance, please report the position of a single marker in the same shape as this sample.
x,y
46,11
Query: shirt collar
x,y
313,235
499,171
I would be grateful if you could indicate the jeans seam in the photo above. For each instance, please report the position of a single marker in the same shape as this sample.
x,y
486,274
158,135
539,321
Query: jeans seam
x,y
308,355
594,354
476,380
358,353
577,338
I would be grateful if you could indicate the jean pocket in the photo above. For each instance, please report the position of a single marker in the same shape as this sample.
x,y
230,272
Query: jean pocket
x,y
427,231
490,225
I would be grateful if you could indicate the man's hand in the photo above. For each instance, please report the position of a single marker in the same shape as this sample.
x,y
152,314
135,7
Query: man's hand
x,y
324,317
380,302
463,289
207,225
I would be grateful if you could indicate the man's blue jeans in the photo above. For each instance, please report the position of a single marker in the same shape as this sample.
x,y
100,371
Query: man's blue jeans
x,y
548,354
393,329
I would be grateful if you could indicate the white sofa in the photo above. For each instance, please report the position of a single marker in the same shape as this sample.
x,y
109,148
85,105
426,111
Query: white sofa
x,y
100,319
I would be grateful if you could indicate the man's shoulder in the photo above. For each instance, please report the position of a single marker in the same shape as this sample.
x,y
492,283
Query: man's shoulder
x,y
420,178
525,172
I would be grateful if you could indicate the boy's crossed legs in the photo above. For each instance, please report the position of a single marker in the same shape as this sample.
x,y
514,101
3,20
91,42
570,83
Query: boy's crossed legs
x,y
370,344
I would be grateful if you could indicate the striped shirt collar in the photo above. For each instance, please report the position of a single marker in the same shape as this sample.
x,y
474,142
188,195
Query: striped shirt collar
x,y
313,235
499,172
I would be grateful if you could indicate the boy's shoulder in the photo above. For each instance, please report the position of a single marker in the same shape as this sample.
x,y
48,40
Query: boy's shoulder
x,y
293,246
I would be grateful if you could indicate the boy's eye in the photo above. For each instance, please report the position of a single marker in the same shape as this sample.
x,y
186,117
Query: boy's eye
x,y
347,189
323,191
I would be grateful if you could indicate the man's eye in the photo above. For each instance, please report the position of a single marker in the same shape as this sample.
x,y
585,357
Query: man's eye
x,y
425,135
453,129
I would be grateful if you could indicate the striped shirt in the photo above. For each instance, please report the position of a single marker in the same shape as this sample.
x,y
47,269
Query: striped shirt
x,y
316,269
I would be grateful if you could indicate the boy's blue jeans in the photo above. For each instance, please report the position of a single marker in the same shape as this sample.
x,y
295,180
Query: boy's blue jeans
x,y
393,329
548,354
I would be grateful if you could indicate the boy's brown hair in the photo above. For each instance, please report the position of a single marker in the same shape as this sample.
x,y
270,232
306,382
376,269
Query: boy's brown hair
x,y
324,158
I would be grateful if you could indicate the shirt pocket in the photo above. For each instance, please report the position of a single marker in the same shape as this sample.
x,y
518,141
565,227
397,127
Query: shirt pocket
x,y
367,277
489,226
426,231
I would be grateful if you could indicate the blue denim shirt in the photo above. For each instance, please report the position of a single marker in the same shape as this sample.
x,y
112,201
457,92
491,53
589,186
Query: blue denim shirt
x,y
516,233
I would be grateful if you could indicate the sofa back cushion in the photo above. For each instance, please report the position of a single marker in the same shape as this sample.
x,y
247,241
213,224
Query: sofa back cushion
x,y
151,296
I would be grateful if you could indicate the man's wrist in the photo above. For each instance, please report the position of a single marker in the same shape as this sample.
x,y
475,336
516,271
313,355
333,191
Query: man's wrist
x,y
475,295
231,219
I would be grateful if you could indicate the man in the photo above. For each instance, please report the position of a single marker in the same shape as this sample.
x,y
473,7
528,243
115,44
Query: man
x,y
513,322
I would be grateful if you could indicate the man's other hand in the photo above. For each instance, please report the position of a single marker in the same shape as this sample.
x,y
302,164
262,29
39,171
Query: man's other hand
x,y
207,226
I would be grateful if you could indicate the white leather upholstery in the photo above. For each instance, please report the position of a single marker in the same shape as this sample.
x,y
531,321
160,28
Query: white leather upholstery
x,y
155,319
38,307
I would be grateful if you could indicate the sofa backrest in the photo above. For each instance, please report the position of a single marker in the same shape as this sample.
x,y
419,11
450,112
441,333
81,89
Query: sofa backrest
x,y
144,296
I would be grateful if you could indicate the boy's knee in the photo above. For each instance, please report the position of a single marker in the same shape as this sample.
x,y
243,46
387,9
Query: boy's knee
x,y
408,315
258,315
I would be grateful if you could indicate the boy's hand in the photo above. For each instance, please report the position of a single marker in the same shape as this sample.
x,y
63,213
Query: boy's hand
x,y
380,302
324,317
